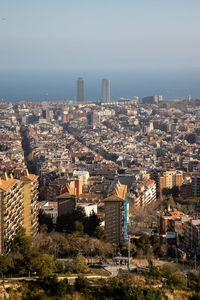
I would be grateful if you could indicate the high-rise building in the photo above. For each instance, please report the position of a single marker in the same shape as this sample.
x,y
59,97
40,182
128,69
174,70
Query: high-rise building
x,y
80,89
18,199
116,214
11,210
105,90
30,192
196,184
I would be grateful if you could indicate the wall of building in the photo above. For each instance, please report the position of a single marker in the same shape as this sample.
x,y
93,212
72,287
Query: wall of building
x,y
27,207
112,221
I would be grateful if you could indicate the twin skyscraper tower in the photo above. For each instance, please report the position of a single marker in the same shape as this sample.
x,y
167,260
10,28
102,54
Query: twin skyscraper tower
x,y
105,90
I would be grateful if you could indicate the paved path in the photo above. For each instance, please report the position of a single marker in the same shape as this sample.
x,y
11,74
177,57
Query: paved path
x,y
111,268
114,269
59,278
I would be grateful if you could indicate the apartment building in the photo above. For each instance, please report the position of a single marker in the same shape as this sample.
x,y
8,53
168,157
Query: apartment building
x,y
192,234
146,192
196,184
56,188
171,224
171,178
186,190
18,207
174,224
116,214
30,192
11,210
143,193
66,204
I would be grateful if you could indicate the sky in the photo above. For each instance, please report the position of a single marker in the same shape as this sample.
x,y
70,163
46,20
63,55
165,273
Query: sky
x,y
99,34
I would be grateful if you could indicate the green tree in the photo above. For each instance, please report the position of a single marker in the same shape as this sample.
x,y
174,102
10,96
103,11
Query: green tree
x,y
43,264
100,233
79,264
78,226
155,242
21,242
60,266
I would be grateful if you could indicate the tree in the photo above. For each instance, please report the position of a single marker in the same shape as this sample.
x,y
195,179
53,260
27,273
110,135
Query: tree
x,y
53,287
91,223
4,265
166,191
155,242
54,243
60,266
79,264
43,264
21,242
81,284
46,220
175,191
79,227
100,233
67,222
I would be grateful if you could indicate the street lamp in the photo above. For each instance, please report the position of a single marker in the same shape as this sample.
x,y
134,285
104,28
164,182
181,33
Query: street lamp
x,y
129,252
186,279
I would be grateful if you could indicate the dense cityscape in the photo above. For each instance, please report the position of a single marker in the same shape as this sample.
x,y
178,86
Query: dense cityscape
x,y
99,150
113,185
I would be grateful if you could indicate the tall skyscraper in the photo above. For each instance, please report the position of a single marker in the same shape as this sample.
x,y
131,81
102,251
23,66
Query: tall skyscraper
x,y
80,89
105,90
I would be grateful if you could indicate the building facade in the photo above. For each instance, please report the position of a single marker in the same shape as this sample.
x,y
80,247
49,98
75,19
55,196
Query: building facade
x,y
196,184
143,194
171,178
30,192
66,204
80,89
12,210
105,90
18,207
116,214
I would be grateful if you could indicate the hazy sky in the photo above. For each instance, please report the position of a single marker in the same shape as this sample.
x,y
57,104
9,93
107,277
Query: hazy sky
x,y
98,34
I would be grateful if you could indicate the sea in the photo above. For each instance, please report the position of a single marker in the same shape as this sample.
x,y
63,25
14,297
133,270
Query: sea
x,y
60,85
